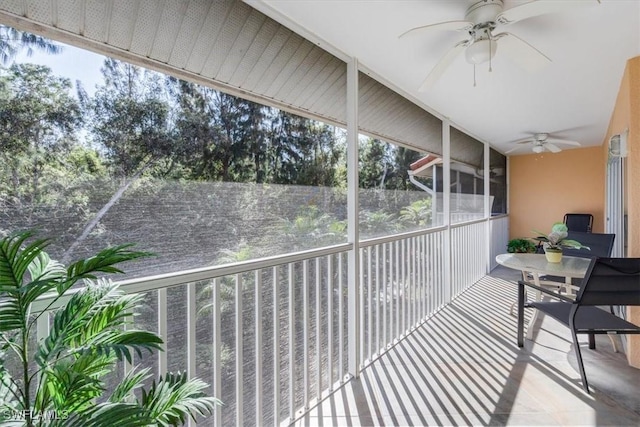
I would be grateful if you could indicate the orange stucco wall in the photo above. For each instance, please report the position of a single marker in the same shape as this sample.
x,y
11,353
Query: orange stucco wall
x,y
543,187
626,115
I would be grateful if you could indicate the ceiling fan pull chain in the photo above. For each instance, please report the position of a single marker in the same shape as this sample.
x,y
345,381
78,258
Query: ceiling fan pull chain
x,y
474,75
490,68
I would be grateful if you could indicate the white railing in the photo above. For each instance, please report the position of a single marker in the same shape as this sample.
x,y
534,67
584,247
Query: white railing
x,y
499,232
270,335
401,285
468,255
272,339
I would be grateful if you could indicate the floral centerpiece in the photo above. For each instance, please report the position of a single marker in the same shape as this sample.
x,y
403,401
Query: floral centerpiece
x,y
556,240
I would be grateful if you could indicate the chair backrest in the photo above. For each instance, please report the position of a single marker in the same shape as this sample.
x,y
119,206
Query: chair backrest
x,y
579,222
600,244
611,281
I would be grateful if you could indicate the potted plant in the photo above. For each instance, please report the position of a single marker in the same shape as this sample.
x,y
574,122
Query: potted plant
x,y
60,380
521,245
556,240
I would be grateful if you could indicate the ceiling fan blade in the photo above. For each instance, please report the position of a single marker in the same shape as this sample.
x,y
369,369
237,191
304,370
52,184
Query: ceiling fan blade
x,y
564,141
552,147
524,141
536,8
442,65
441,26
525,55
512,150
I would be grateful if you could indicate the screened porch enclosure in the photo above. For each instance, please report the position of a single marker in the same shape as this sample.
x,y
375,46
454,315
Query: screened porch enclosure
x,y
276,331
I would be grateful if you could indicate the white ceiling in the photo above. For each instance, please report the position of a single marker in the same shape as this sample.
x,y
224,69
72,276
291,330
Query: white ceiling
x,y
571,98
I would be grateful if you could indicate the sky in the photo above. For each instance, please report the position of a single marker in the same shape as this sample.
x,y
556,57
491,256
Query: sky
x,y
73,63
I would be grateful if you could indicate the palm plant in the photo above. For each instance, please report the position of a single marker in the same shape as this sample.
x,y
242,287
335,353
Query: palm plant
x,y
557,239
91,332
417,213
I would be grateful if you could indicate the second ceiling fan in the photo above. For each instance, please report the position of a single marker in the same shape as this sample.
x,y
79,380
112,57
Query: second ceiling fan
x,y
541,142
482,17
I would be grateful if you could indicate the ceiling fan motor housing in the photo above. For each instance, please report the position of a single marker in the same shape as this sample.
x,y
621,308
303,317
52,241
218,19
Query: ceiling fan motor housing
x,y
541,137
480,11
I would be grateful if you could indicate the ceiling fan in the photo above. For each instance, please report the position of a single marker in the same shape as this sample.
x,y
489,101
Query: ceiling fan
x,y
541,141
482,17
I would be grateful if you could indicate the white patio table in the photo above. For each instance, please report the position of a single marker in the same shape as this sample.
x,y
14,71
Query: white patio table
x,y
536,265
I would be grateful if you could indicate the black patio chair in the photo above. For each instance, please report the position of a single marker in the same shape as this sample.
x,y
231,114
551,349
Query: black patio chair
x,y
609,281
600,245
579,222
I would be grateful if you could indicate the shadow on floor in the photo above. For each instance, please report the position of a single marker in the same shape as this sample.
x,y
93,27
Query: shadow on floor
x,y
463,367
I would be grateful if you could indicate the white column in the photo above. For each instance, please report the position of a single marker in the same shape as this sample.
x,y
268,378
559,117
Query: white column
x,y
487,205
446,207
352,219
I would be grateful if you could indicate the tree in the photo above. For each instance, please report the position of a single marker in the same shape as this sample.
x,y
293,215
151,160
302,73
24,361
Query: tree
x,y
374,163
13,41
302,151
223,133
38,121
130,119
403,157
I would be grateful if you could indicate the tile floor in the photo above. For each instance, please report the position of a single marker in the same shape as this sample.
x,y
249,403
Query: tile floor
x,y
463,367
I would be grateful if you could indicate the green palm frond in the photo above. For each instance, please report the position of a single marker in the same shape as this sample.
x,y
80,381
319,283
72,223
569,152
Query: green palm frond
x,y
68,322
15,260
131,382
109,308
9,391
12,314
15,306
173,399
110,414
72,385
43,268
123,344
93,320
92,330
103,262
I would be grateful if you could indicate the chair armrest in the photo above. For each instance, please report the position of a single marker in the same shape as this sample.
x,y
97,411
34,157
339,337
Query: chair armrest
x,y
545,291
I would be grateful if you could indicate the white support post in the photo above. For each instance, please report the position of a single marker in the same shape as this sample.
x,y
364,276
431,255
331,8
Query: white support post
x,y
318,337
446,208
42,327
386,283
340,318
239,352
369,323
330,323
162,330
306,328
353,236
377,299
259,346
276,347
292,341
191,330
217,349
487,205
191,335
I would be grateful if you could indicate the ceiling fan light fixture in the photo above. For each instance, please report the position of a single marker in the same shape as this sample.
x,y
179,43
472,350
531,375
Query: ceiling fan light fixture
x,y
538,149
481,51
